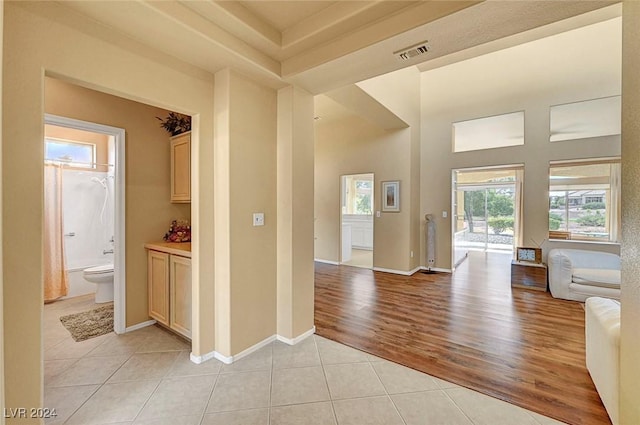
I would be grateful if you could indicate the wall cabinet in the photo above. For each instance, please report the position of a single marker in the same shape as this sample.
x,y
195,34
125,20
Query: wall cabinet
x,y
169,283
181,168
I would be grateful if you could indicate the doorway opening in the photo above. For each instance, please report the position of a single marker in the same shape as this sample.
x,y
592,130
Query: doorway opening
x,y
356,219
84,194
487,205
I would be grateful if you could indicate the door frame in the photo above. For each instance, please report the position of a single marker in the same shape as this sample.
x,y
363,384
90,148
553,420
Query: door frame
x,y
373,214
497,185
119,245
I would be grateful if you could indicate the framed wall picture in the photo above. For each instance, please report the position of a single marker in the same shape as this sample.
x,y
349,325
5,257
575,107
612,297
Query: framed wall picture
x,y
391,196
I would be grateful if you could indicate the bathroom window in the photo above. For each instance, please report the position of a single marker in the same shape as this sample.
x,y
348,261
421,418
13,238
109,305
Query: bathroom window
x,y
75,154
584,200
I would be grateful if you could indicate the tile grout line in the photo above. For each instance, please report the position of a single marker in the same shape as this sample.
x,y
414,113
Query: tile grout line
x,y
157,385
326,382
456,404
270,386
148,398
75,362
375,372
82,404
213,388
99,385
60,372
534,419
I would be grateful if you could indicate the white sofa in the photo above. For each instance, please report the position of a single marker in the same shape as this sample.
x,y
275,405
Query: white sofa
x,y
602,318
576,274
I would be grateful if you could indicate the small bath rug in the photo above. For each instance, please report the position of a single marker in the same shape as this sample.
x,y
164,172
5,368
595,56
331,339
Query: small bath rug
x,y
89,324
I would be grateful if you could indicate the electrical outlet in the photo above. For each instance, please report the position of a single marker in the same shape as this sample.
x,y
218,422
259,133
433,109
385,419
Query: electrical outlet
x,y
411,254
258,219
444,214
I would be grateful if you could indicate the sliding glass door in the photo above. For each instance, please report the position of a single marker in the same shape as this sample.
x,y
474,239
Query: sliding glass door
x,y
487,221
487,210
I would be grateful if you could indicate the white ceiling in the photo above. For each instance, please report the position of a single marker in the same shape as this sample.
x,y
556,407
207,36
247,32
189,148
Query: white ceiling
x,y
283,15
318,45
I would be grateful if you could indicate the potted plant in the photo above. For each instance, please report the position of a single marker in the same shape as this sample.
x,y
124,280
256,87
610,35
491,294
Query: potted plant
x,y
175,123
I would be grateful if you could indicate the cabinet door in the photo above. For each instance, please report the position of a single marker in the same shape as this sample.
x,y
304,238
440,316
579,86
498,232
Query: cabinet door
x,y
158,283
180,309
181,168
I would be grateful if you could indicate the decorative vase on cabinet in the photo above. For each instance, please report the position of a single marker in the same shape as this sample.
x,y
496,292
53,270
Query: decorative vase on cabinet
x,y
181,168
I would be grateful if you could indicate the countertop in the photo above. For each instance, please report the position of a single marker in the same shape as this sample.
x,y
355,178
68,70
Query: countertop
x,y
182,249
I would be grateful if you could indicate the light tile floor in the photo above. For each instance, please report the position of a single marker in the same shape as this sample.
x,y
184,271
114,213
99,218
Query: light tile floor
x,y
145,378
360,258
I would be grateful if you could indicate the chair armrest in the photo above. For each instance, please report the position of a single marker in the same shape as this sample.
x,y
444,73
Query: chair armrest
x,y
560,271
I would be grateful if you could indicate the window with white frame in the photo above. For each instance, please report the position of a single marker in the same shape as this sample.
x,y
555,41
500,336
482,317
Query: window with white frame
x,y
358,196
498,131
75,154
584,200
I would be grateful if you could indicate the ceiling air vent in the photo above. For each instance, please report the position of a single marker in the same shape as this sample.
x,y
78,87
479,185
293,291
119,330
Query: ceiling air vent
x,y
413,51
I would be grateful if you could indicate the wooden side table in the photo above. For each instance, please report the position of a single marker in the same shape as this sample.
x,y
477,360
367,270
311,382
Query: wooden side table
x,y
528,275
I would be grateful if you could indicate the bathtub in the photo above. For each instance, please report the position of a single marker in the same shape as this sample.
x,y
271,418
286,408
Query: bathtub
x,y
77,284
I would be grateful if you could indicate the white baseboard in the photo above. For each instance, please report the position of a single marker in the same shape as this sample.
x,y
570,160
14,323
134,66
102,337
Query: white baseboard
x,y
333,263
436,269
410,272
201,359
224,359
253,348
230,359
401,272
417,269
140,326
297,339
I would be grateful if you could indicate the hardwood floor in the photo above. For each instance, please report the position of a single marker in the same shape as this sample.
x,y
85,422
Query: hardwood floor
x,y
469,328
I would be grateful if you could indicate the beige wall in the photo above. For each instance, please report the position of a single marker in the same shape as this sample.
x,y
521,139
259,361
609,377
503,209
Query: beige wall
x,y
630,297
349,144
147,173
33,42
246,276
517,79
398,92
252,160
295,276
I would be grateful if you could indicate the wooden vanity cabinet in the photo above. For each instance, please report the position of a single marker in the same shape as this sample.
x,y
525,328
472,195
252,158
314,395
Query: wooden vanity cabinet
x,y
169,284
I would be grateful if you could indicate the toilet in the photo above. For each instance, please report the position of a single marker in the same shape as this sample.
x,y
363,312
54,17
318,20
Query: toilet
x,y
102,276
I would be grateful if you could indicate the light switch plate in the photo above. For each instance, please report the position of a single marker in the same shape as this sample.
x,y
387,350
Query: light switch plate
x,y
258,219
444,214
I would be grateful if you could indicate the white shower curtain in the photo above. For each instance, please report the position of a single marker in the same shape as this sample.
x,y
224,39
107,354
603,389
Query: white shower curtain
x,y
55,270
